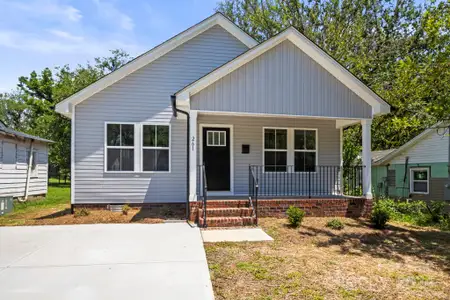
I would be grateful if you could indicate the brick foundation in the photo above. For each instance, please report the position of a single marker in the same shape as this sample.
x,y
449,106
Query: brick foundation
x,y
157,210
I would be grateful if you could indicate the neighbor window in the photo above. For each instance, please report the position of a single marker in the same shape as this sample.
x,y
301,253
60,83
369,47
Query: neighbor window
x,y
120,147
275,150
420,180
156,148
34,169
305,151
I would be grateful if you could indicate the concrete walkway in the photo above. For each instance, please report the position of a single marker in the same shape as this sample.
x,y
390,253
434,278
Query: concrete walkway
x,y
235,235
110,261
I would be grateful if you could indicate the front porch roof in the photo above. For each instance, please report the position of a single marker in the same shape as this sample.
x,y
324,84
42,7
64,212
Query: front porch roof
x,y
379,106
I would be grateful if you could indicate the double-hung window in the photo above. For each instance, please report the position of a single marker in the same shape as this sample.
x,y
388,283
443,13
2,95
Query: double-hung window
x,y
155,148
275,150
119,147
420,180
305,150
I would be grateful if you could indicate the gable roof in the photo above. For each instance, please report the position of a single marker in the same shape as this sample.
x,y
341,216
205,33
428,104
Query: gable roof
x,y
65,106
10,132
380,154
379,106
409,144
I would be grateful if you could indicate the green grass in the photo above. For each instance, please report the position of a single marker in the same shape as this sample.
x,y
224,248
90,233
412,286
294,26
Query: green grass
x,y
58,195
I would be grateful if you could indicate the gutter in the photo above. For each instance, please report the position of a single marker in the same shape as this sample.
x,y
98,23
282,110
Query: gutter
x,y
175,111
30,161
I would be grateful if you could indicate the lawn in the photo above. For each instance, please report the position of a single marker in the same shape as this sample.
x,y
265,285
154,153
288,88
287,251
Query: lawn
x,y
316,262
55,210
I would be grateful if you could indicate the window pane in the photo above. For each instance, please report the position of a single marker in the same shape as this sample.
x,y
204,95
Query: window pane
x,y
299,139
269,138
127,158
222,139
299,161
149,136
281,139
420,187
269,158
113,134
281,160
156,160
162,136
127,135
113,160
310,137
310,161
420,175
275,161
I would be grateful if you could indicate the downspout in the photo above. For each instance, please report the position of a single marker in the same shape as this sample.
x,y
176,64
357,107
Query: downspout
x,y
175,111
30,161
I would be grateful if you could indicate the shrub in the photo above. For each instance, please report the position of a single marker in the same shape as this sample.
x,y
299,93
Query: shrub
x,y
295,216
436,209
82,212
380,215
335,224
125,209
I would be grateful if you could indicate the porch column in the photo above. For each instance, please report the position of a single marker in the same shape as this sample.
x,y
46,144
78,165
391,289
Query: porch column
x,y
367,157
193,156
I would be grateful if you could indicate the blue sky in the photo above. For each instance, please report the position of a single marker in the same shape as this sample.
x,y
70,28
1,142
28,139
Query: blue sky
x,y
35,34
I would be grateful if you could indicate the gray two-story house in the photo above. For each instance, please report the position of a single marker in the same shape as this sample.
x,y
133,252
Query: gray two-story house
x,y
212,114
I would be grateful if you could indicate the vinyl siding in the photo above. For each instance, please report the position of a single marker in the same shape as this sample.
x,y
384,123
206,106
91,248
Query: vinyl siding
x,y
431,149
13,177
249,131
144,96
283,80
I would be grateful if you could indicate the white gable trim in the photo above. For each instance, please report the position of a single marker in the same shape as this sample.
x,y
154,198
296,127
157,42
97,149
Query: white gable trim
x,y
379,106
409,144
65,107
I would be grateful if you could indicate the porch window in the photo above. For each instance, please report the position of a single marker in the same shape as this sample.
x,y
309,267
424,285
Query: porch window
x,y
120,147
275,150
305,150
156,148
420,180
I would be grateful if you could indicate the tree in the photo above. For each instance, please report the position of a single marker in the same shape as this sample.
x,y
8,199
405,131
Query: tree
x,y
397,48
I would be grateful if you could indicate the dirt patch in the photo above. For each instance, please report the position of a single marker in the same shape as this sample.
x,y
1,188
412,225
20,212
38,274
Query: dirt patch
x,y
316,262
61,216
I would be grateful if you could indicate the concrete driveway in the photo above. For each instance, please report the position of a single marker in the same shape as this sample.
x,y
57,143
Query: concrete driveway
x,y
110,261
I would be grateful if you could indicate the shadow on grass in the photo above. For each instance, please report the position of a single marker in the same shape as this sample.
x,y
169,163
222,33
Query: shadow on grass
x,y
54,215
147,213
392,243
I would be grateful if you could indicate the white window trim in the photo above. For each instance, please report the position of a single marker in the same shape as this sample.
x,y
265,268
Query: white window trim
x,y
106,147
213,144
411,181
156,148
290,148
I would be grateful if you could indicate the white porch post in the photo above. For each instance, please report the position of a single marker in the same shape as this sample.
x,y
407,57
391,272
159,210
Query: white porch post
x,y
366,157
193,156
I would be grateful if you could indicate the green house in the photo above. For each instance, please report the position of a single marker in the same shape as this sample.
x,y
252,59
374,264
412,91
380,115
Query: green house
x,y
419,169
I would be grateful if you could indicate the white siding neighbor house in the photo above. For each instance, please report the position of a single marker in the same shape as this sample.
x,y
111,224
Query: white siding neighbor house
x,y
23,164
212,113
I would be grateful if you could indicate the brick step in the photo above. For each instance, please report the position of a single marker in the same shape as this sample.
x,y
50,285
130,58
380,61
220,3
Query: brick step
x,y
225,204
227,221
227,212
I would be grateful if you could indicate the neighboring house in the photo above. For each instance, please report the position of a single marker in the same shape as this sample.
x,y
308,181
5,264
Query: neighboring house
x,y
22,175
419,169
279,106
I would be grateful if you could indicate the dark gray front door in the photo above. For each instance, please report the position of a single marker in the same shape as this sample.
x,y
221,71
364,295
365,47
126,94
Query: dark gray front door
x,y
216,158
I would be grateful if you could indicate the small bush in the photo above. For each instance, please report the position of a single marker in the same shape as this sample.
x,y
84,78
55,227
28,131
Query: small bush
x,y
125,209
436,209
380,215
82,212
295,216
335,224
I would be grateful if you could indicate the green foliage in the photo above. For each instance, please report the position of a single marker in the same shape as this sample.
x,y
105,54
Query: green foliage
x,y
335,224
381,214
295,216
398,48
125,209
83,212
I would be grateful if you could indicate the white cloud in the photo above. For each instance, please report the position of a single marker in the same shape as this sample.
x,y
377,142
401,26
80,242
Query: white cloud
x,y
108,11
52,8
65,35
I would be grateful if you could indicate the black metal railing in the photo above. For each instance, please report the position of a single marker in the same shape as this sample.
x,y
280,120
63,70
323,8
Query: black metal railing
x,y
253,190
203,191
316,181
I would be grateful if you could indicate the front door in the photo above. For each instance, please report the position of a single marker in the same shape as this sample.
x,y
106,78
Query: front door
x,y
216,158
